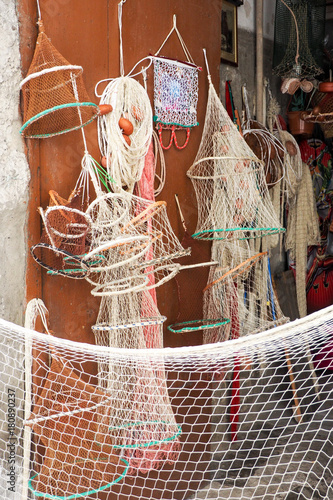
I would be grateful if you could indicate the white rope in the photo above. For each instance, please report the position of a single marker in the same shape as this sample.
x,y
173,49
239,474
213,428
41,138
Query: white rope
x,y
66,413
159,153
39,13
125,162
185,49
120,24
49,70
299,326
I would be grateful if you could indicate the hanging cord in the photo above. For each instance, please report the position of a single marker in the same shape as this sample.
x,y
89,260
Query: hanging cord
x,y
120,24
297,32
159,152
185,49
206,62
39,13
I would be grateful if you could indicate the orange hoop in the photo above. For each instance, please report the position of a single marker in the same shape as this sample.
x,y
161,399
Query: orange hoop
x,y
241,268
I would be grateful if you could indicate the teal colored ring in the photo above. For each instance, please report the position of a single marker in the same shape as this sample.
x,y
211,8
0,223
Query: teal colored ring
x,y
144,445
267,230
156,120
220,322
51,110
78,495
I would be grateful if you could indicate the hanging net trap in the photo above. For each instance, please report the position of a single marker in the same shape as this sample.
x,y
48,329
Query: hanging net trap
x,y
54,97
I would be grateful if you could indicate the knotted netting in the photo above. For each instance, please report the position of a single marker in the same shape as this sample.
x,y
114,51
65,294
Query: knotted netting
x,y
65,237
124,135
229,182
298,35
274,453
54,97
246,296
124,215
143,424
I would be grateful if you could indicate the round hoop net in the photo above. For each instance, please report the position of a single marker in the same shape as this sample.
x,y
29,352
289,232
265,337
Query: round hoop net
x,y
121,215
229,182
65,237
124,135
54,97
142,423
245,295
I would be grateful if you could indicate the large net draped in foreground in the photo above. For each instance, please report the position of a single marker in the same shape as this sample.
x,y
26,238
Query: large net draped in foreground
x,y
274,456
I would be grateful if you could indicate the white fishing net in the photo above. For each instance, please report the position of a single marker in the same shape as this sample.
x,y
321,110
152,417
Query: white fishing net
x,y
246,296
124,135
117,216
282,444
229,182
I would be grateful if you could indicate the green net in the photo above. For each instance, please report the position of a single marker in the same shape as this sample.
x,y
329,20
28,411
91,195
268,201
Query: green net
x,y
298,37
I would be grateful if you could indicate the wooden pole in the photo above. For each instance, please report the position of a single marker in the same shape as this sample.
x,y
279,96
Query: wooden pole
x,y
259,61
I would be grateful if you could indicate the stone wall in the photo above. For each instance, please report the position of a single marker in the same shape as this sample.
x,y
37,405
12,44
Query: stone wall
x,y
14,172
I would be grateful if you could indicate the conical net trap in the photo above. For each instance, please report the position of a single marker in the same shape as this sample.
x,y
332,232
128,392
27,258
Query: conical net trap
x,y
229,182
54,97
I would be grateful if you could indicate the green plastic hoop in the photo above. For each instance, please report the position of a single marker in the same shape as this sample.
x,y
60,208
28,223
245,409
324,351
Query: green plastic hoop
x,y
78,495
56,108
205,234
185,326
149,443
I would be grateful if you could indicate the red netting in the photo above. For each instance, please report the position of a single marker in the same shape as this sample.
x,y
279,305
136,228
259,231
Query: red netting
x,y
54,97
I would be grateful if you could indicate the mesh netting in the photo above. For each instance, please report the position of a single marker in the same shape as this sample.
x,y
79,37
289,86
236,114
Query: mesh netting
x,y
54,97
143,424
125,134
65,237
275,454
175,92
121,215
246,296
229,182
298,35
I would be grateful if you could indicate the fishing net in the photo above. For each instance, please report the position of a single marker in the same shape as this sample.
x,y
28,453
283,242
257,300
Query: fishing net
x,y
54,97
267,148
143,424
74,455
274,453
190,282
125,134
175,93
298,35
80,458
245,295
121,215
65,237
229,182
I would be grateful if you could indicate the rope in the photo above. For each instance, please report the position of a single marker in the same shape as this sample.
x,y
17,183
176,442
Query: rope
x,y
185,49
39,13
296,28
120,24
